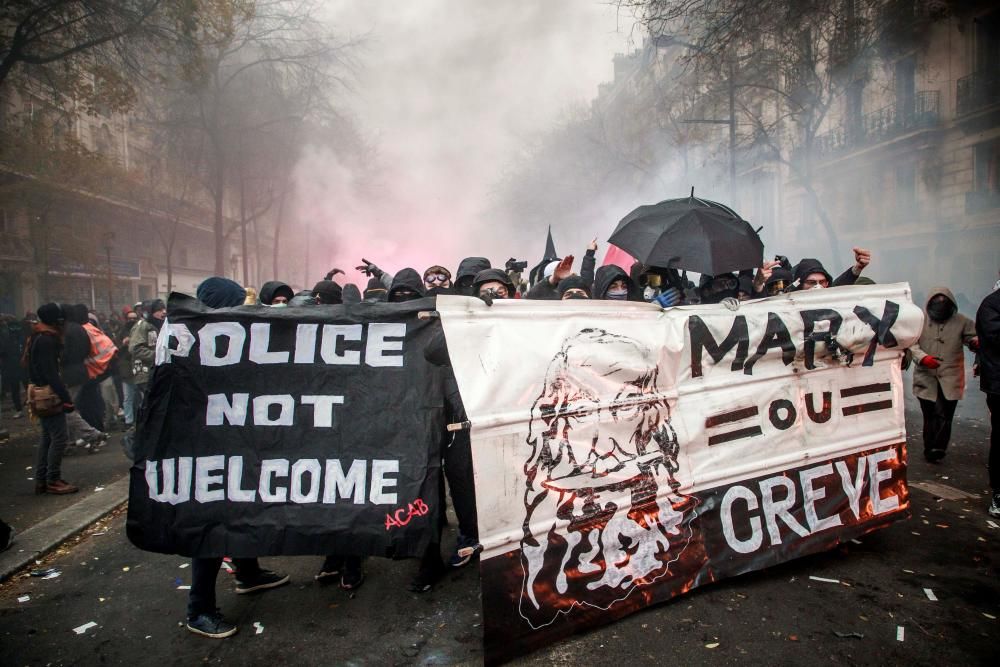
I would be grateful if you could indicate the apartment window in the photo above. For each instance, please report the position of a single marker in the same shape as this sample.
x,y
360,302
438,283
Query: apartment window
x,y
906,191
986,192
987,41
987,157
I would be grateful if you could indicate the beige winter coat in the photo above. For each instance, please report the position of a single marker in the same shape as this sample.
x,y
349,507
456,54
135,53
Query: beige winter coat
x,y
943,340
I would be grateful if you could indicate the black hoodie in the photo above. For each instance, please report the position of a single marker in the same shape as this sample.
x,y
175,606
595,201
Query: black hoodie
x,y
406,279
273,288
809,265
76,346
608,274
468,268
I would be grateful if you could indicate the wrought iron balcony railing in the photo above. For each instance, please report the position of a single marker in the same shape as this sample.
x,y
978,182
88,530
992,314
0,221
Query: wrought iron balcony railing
x,y
977,91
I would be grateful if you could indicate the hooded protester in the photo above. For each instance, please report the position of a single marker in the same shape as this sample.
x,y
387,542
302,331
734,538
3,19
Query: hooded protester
x,y
375,291
491,284
218,292
715,289
664,287
328,293
304,298
939,377
437,280
351,294
406,286
573,287
988,331
778,282
42,354
613,283
275,293
810,274
468,269
203,617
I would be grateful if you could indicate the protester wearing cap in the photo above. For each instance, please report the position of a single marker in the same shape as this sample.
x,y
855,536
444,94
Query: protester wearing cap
x,y
327,292
218,292
437,280
573,287
43,351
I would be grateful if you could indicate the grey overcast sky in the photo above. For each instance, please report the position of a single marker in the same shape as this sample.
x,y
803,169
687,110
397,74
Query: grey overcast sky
x,y
448,90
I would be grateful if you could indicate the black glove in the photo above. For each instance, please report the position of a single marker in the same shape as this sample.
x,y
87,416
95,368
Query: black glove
x,y
370,269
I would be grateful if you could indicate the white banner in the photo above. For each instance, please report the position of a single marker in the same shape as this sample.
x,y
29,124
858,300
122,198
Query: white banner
x,y
610,437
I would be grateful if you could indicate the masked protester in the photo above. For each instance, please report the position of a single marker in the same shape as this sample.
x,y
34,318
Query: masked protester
x,y
939,377
715,289
275,293
988,331
437,280
573,287
613,283
374,291
203,617
810,274
42,354
351,294
659,286
492,284
777,282
406,286
327,292
468,269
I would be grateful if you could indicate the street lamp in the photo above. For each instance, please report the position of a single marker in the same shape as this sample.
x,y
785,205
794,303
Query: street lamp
x,y
109,239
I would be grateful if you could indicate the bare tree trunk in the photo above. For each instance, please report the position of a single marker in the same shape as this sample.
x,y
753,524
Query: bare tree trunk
x,y
220,237
256,246
243,230
277,231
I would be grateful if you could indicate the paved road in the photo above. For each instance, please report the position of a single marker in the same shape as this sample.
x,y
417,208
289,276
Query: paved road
x,y
778,615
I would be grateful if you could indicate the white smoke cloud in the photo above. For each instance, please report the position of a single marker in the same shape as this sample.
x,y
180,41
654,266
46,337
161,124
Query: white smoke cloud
x,y
448,91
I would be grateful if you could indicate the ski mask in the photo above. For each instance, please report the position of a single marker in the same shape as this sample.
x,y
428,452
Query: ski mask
x,y
940,308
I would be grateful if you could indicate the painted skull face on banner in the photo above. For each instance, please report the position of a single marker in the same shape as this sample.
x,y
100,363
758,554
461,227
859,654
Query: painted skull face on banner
x,y
603,459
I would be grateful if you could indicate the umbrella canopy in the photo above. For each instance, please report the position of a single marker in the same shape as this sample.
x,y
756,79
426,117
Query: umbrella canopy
x,y
692,234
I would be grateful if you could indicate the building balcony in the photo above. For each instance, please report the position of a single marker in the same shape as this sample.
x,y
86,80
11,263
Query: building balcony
x,y
978,91
880,126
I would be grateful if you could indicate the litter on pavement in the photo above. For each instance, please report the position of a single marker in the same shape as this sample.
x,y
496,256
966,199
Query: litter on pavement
x,y
83,628
930,595
24,598
259,626
825,580
900,633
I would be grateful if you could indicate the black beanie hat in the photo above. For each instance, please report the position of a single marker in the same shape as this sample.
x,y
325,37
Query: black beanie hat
x,y
328,292
218,292
51,314
572,282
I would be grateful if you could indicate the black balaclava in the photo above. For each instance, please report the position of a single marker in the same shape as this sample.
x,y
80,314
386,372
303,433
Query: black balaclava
x,y
940,308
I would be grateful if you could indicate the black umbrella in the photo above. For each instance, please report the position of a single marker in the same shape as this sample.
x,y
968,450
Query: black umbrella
x,y
692,234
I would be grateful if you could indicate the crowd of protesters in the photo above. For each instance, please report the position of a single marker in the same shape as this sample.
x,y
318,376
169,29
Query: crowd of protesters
x,y
97,371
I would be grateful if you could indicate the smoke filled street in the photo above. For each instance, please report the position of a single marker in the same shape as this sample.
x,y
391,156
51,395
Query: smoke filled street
x,y
947,547
527,332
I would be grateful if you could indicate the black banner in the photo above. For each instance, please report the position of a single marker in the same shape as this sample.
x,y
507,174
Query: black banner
x,y
290,431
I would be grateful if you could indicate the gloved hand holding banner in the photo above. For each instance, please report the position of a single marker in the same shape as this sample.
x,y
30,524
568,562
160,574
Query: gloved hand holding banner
x,y
625,454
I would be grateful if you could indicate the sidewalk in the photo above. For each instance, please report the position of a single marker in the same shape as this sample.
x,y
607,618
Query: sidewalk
x,y
43,521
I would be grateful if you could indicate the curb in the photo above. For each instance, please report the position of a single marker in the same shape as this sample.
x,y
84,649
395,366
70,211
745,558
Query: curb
x,y
50,533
